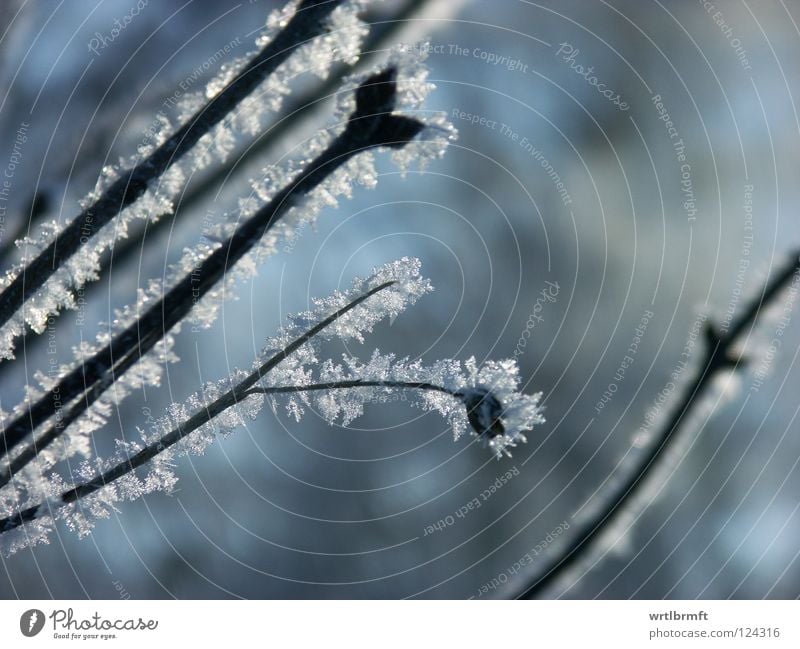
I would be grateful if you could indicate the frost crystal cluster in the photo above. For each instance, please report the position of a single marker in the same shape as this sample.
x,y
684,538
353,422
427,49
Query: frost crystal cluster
x,y
411,90
484,397
48,471
341,41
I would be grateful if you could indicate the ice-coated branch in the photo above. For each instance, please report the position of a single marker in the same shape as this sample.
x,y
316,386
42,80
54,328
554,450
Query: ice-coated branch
x,y
220,405
483,409
484,397
720,354
307,22
294,110
202,417
371,124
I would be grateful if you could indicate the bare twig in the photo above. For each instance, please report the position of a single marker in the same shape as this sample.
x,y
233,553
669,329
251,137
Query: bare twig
x,y
296,107
307,23
719,355
349,385
371,125
236,394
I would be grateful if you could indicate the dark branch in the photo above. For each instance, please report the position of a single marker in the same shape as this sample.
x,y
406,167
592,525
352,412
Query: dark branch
x,y
365,130
307,23
719,355
349,385
236,394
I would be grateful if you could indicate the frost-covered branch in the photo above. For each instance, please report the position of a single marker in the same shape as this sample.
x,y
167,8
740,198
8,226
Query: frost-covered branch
x,y
721,354
485,398
203,416
294,110
371,124
128,186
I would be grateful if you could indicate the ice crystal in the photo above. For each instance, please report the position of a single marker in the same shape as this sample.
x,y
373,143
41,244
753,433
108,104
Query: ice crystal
x,y
455,402
483,396
358,170
317,55
37,482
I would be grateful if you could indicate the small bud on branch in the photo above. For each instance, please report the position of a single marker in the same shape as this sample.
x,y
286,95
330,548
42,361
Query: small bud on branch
x,y
369,127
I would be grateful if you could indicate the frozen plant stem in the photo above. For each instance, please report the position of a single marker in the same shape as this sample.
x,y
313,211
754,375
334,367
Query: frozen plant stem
x,y
224,402
200,190
349,385
295,110
719,355
242,390
371,125
308,22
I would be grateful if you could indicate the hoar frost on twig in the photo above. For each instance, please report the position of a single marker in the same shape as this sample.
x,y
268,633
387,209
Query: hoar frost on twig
x,y
194,288
485,398
306,35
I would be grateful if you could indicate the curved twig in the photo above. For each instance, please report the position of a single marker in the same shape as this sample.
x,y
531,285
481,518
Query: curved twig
x,y
241,391
371,125
719,355
307,23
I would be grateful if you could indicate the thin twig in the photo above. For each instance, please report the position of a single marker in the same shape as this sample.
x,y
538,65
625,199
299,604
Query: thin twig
x,y
235,395
719,355
295,108
371,125
349,385
307,23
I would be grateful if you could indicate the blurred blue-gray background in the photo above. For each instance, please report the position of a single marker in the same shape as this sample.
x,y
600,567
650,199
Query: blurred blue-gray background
x,y
562,179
